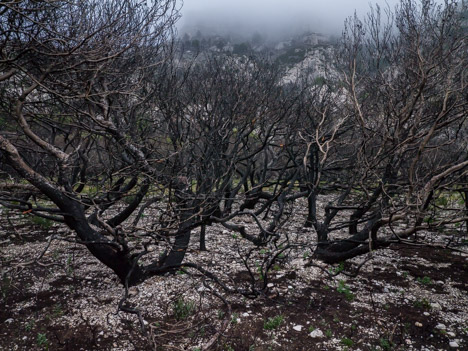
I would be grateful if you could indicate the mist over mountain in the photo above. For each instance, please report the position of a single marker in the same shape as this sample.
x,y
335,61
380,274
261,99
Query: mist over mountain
x,y
275,18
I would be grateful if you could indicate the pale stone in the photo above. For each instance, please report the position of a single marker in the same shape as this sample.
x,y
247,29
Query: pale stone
x,y
298,327
317,333
453,344
418,324
441,326
298,262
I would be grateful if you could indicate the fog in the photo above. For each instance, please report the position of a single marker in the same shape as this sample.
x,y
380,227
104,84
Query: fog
x,y
271,16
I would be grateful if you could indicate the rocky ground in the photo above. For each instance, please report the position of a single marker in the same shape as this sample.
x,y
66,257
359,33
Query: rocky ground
x,y
404,298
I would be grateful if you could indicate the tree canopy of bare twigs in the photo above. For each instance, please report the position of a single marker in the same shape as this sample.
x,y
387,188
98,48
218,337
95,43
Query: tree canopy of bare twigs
x,y
104,121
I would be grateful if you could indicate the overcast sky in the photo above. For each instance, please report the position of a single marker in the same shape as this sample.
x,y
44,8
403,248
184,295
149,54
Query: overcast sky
x,y
264,15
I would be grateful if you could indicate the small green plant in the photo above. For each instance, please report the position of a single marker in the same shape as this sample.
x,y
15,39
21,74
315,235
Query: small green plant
x,y
328,333
306,255
424,280
30,325
42,341
235,236
221,314
338,269
311,329
259,270
385,344
423,303
405,274
58,312
273,322
183,309
347,342
353,327
42,222
234,318
344,289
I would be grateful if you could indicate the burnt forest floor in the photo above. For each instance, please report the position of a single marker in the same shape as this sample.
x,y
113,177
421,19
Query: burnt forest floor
x,y
404,298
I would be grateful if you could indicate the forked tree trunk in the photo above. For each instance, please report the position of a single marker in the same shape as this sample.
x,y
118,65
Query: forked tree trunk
x,y
128,271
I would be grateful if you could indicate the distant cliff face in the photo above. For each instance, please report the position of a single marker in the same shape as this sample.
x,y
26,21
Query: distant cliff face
x,y
308,52
319,63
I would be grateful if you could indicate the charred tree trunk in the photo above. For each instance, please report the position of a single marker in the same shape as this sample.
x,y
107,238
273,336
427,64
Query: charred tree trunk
x,y
181,241
465,198
358,244
112,254
311,209
109,253
187,209
203,238
132,206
